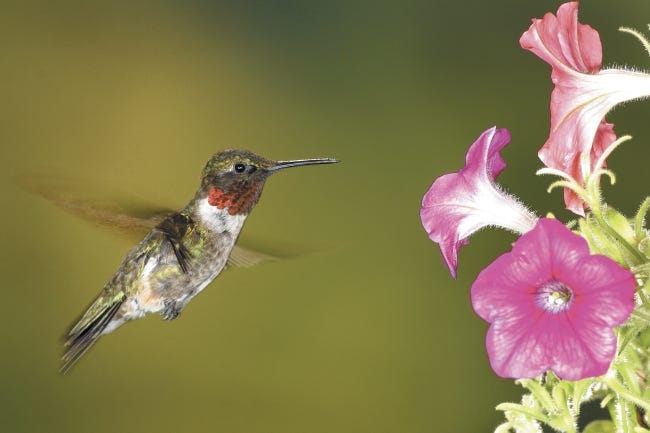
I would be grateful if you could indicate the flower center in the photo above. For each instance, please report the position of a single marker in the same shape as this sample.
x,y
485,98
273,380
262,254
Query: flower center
x,y
554,296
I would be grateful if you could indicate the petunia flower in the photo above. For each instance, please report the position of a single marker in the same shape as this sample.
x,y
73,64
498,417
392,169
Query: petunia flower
x,y
459,204
582,96
552,305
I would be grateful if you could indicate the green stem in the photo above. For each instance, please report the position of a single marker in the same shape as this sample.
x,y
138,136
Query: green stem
x,y
640,216
624,393
641,291
622,416
568,184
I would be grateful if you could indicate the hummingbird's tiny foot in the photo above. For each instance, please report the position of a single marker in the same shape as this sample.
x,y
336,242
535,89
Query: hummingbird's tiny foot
x,y
171,310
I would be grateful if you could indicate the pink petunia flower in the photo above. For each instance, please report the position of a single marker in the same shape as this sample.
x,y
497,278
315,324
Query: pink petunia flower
x,y
583,94
552,305
459,204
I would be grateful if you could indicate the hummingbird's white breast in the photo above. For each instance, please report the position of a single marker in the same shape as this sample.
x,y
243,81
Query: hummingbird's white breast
x,y
219,220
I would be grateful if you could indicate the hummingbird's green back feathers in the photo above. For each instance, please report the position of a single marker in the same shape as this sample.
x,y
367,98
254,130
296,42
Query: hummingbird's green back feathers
x,y
90,327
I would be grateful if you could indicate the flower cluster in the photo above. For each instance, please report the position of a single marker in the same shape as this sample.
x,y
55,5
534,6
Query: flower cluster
x,y
569,311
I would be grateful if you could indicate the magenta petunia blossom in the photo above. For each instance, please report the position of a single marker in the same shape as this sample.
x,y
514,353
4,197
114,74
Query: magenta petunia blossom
x,y
459,204
552,305
583,94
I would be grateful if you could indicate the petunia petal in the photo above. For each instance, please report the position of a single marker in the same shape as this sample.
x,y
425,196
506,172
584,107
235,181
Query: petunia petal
x,y
513,350
459,204
496,291
577,352
526,336
609,288
564,43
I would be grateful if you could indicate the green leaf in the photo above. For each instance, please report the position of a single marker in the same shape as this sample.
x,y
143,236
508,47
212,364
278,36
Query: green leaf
x,y
580,389
599,241
540,393
621,224
644,338
514,407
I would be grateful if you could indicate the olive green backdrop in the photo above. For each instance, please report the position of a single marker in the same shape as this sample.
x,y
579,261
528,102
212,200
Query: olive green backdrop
x,y
365,331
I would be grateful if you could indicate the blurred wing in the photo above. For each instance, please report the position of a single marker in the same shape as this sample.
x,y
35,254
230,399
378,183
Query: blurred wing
x,y
241,257
121,212
249,252
128,215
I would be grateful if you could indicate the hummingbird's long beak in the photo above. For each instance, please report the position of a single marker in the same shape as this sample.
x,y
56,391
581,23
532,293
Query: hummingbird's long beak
x,y
281,165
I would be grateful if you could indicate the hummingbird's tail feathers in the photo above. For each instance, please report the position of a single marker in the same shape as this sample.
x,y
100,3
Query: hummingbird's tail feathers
x,y
86,332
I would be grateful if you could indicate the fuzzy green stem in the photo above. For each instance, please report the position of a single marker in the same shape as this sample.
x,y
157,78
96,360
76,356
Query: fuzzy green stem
x,y
640,217
567,184
622,415
641,291
554,172
600,163
610,174
624,393
566,418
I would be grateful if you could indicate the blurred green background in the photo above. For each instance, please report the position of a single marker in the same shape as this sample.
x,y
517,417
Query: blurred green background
x,y
370,333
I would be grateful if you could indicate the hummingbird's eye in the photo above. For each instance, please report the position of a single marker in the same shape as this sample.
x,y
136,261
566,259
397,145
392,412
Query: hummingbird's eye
x,y
240,168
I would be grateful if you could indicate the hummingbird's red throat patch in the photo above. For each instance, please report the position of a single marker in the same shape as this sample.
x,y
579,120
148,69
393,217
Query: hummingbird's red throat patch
x,y
218,197
236,202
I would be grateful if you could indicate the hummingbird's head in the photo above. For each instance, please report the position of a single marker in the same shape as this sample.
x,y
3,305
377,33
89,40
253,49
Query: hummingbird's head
x,y
234,179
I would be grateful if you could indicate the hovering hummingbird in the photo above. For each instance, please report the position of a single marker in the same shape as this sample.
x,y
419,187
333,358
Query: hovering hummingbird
x,y
183,253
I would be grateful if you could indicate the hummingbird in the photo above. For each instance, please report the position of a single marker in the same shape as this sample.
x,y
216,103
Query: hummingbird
x,y
183,253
